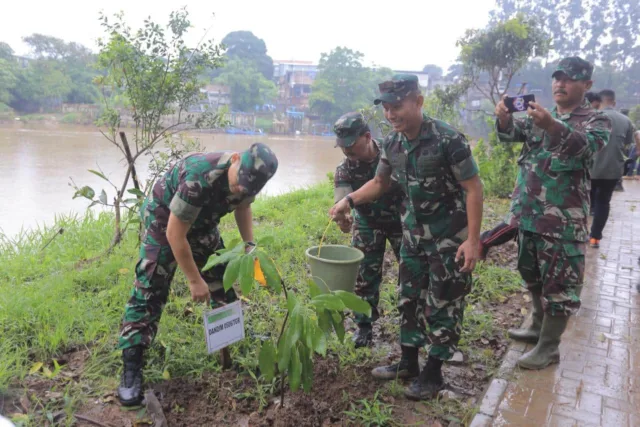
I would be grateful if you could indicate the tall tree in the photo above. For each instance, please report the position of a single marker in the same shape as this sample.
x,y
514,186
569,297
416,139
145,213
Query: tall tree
x,y
344,84
248,87
435,72
604,30
491,57
244,45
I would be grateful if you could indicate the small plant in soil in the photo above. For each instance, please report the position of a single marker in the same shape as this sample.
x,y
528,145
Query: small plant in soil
x,y
306,324
370,413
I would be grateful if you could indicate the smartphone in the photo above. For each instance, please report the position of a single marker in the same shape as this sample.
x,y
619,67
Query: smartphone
x,y
519,103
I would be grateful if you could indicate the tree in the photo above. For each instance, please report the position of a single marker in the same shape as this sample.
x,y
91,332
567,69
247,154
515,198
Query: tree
x,y
8,77
491,57
42,85
245,46
435,72
159,76
248,87
604,30
5,51
343,84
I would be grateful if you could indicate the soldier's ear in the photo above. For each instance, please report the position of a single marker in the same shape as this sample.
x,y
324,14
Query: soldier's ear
x,y
588,84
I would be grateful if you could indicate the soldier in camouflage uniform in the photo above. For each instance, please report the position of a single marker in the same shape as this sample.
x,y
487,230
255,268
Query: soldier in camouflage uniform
x,y
441,215
181,218
375,223
550,203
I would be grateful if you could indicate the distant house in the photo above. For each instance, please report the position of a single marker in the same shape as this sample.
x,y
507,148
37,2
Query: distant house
x,y
281,68
215,97
294,80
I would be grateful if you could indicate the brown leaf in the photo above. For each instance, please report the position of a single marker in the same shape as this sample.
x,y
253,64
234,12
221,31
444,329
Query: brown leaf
x,y
24,402
523,311
526,297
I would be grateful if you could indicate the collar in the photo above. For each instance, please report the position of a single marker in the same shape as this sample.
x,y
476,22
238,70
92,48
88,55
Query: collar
x,y
583,110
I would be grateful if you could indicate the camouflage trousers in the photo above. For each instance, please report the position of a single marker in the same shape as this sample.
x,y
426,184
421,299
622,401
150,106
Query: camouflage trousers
x,y
154,272
372,241
432,298
555,267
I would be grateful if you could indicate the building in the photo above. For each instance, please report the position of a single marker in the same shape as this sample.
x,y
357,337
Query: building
x,y
281,68
294,80
215,96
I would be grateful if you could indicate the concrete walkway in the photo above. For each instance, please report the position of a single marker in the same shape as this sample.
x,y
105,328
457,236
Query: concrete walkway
x,y
597,382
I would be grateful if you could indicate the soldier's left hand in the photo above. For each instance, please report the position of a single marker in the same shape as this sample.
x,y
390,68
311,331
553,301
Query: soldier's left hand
x,y
470,251
541,116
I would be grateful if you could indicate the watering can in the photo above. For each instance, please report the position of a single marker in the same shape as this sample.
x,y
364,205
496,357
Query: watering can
x,y
336,268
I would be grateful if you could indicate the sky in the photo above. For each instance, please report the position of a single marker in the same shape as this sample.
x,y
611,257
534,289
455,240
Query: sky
x,y
418,32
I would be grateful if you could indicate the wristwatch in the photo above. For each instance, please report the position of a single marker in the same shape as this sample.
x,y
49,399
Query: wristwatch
x,y
350,200
249,243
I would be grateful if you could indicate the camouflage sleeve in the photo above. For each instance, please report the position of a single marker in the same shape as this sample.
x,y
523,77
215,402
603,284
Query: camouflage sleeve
x,y
384,167
190,195
583,143
629,137
516,131
460,159
341,182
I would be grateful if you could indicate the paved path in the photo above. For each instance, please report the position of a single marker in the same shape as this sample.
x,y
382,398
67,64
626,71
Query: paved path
x,y
597,382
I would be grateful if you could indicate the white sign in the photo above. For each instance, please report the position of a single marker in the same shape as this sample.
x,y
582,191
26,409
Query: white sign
x,y
223,326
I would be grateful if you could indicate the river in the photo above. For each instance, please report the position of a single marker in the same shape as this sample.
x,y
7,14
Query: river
x,y
37,162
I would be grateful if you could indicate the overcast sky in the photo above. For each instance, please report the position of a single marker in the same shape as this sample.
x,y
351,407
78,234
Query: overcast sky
x,y
400,35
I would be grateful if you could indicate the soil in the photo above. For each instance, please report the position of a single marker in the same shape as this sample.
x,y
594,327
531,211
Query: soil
x,y
218,399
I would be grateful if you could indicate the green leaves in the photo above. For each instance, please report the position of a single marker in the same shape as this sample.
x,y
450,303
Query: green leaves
x,y
100,174
231,274
354,302
86,192
225,257
295,369
136,192
246,274
267,360
270,271
328,301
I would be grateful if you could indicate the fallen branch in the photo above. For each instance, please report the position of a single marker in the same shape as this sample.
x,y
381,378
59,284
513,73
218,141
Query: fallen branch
x,y
92,421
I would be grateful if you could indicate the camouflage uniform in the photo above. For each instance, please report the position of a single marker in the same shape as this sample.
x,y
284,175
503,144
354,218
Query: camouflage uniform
x,y
375,223
550,203
434,221
196,190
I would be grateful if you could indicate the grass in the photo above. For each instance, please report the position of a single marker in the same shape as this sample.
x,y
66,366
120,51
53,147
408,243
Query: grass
x,y
48,307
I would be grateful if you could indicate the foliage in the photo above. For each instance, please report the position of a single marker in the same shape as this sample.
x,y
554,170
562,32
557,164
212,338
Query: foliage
x,y
491,57
249,49
248,86
159,75
497,163
444,103
603,30
344,84
8,79
306,325
434,71
371,413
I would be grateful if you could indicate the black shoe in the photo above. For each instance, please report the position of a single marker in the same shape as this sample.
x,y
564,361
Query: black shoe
x,y
407,367
363,337
619,186
130,389
429,383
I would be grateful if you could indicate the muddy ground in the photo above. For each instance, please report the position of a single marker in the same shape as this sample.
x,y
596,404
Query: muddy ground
x,y
229,399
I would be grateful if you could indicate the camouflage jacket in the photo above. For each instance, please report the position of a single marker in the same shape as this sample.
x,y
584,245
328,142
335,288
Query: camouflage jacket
x,y
196,190
429,169
352,174
551,196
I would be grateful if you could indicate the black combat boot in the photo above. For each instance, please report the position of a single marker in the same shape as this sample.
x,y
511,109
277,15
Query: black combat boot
x,y
130,389
364,336
407,367
429,383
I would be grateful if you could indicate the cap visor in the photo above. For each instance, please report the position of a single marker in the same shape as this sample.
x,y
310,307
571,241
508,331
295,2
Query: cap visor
x,y
386,97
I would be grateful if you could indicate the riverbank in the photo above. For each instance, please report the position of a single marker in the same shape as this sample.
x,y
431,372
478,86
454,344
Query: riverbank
x,y
60,324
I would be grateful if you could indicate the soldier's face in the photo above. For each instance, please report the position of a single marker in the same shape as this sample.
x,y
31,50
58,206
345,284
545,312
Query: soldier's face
x,y
358,150
404,115
232,175
567,91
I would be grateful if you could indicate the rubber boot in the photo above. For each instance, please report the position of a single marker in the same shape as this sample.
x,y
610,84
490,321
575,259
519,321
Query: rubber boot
x,y
532,332
130,389
429,382
546,351
364,336
407,367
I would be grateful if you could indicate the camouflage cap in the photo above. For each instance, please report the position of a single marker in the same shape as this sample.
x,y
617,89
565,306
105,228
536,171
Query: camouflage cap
x,y
347,129
398,88
575,68
257,165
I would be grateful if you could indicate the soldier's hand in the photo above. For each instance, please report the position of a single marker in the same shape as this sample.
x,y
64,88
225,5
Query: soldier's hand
x,y
199,290
470,251
541,116
339,210
503,113
345,223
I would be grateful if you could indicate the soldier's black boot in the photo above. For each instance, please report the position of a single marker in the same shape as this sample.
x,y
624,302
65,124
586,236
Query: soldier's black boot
x,y
130,389
429,383
407,367
364,336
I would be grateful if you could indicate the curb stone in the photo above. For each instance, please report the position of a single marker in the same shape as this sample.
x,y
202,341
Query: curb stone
x,y
498,385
